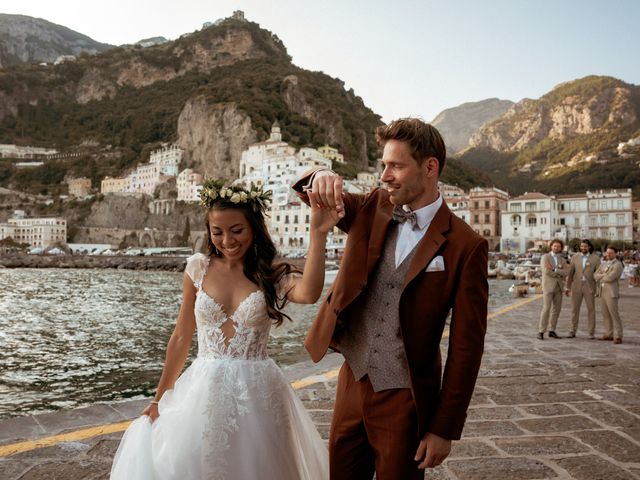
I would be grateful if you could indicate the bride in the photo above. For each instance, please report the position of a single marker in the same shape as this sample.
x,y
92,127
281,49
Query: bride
x,y
231,414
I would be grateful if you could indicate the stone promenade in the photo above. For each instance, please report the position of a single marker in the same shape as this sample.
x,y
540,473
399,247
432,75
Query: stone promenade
x,y
551,409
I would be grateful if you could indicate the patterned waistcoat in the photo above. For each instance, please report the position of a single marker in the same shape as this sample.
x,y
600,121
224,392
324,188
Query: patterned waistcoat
x,y
372,342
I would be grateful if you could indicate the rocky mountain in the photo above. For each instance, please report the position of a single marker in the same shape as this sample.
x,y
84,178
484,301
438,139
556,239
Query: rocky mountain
x,y
26,39
568,140
213,92
458,124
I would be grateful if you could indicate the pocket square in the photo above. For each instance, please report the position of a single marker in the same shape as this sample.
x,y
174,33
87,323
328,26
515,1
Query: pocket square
x,y
436,265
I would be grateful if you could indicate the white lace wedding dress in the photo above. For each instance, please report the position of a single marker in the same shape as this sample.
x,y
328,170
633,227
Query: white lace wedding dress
x,y
231,415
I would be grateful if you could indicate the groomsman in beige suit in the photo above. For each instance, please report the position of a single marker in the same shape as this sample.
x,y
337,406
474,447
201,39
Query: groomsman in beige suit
x,y
582,285
554,272
607,277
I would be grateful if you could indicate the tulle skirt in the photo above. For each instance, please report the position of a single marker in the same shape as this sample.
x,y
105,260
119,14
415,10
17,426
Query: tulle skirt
x,y
225,419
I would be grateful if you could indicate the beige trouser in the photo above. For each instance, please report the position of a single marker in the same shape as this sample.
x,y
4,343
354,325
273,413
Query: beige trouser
x,y
611,317
578,292
550,308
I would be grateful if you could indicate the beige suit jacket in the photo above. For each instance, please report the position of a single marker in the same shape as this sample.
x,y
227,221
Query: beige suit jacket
x,y
576,272
607,277
552,276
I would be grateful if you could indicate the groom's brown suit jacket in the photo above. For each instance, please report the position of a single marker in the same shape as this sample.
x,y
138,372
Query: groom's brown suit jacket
x,y
426,300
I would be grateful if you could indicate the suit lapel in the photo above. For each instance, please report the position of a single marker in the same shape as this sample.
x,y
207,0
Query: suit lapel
x,y
430,243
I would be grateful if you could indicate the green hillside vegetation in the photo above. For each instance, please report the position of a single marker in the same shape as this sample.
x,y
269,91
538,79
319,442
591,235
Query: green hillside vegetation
x,y
503,167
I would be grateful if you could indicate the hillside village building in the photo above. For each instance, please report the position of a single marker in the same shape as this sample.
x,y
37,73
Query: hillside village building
x,y
34,153
331,153
275,165
163,165
37,232
189,184
79,187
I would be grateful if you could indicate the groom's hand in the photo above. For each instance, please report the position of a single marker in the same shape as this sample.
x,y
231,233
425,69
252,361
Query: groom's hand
x,y
432,451
326,191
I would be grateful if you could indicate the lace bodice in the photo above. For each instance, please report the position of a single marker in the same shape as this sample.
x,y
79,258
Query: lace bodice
x,y
251,322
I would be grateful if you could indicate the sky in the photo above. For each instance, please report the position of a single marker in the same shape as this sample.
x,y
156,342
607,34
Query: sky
x,y
404,58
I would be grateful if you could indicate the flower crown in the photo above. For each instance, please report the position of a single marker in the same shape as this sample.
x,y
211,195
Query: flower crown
x,y
215,191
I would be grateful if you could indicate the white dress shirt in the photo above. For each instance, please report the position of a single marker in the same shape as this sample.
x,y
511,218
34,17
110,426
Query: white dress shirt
x,y
408,238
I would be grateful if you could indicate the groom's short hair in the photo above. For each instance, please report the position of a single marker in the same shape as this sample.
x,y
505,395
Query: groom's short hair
x,y
424,139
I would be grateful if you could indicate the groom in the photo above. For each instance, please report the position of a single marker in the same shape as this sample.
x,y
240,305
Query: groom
x,y
408,262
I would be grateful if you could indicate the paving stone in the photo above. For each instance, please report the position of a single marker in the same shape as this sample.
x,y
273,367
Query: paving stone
x,y
471,448
12,468
541,398
131,409
568,423
103,448
492,413
610,443
491,429
80,417
633,432
592,467
605,413
513,372
539,445
61,471
500,469
321,416
551,410
621,398
20,428
60,451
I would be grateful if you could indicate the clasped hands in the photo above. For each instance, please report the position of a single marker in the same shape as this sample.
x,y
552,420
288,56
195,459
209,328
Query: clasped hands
x,y
325,199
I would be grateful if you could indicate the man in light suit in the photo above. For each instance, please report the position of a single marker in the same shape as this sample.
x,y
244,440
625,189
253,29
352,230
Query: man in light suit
x,y
407,263
554,271
607,277
581,284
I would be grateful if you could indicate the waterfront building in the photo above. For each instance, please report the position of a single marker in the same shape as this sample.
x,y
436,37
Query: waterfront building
x,y
189,184
37,232
606,214
331,153
534,219
529,222
486,205
79,187
457,200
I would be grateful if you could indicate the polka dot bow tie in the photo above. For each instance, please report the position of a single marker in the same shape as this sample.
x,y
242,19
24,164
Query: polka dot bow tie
x,y
401,215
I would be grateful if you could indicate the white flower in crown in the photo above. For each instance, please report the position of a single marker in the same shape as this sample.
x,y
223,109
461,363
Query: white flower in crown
x,y
243,197
235,198
254,194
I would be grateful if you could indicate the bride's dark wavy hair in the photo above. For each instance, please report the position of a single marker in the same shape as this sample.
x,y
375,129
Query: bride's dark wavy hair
x,y
259,262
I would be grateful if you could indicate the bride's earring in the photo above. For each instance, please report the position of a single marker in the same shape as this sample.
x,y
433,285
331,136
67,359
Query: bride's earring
x,y
216,250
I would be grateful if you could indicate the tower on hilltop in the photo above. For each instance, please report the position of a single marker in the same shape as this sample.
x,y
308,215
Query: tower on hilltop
x,y
276,135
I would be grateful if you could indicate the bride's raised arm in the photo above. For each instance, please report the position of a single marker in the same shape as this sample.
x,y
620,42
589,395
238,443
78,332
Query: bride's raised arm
x,y
308,287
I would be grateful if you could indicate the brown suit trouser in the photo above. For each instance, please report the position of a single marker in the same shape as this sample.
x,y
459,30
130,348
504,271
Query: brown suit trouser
x,y
372,431
578,292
